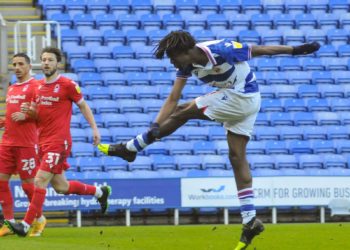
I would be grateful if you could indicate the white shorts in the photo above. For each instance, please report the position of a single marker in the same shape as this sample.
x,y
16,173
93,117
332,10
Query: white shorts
x,y
236,111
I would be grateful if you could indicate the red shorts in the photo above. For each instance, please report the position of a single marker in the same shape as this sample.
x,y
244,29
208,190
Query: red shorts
x,y
21,160
54,158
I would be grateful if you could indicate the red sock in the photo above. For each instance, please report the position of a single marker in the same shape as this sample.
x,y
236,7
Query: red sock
x,y
28,188
36,205
6,200
77,187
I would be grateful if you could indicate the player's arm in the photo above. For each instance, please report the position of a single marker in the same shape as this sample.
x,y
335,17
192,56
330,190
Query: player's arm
x,y
171,101
87,113
304,49
28,112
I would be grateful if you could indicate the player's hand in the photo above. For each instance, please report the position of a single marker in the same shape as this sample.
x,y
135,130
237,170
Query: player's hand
x,y
18,116
25,106
2,122
306,48
96,137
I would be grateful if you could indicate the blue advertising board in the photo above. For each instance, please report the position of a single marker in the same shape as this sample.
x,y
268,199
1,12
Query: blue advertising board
x,y
126,193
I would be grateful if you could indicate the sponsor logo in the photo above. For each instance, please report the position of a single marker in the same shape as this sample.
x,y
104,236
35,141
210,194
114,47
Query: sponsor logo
x,y
213,190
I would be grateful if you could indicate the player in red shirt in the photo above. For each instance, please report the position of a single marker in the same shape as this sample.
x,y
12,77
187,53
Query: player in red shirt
x,y
53,111
19,145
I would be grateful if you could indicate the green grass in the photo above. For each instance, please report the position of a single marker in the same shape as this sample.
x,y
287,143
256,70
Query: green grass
x,y
329,236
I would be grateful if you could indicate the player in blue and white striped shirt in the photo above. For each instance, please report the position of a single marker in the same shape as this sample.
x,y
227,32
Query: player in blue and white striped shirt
x,y
236,103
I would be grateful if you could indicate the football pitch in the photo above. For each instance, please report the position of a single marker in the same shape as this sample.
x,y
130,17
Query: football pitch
x,y
200,237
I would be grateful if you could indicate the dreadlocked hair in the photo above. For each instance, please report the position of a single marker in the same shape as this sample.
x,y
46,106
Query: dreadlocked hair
x,y
174,43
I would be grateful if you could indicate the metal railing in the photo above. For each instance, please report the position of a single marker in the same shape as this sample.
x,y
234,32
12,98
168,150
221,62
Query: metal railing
x,y
3,47
32,41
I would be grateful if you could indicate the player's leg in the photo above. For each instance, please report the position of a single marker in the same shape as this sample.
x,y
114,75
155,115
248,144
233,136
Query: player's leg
x,y
181,115
41,182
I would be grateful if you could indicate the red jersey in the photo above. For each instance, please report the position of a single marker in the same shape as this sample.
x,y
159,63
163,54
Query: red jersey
x,y
54,106
22,133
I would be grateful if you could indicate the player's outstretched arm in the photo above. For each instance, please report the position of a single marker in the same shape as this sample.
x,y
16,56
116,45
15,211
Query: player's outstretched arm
x,y
304,49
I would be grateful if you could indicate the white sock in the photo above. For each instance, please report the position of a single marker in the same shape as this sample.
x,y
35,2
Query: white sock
x,y
98,192
26,226
138,144
130,146
41,219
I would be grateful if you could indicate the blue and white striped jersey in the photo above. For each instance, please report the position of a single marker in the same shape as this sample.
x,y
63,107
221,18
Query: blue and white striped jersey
x,y
227,66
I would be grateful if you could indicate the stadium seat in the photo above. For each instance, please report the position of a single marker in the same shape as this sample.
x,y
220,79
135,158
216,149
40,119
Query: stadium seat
x,y
262,120
114,164
207,7
283,22
89,78
261,161
153,65
82,149
163,7
114,38
69,37
163,162
256,147
222,147
291,133
128,22
310,161
271,37
276,147
136,38
334,161
172,22
129,105
250,7
97,92
89,164
324,147
313,64
336,63
286,161
105,22
281,119
150,22
230,7
267,64
261,22
266,133
217,22
308,91
316,35
340,104
186,7
304,118
111,79
144,52
76,52
274,77
156,35
249,36
343,146
239,22
91,38
141,163
188,162
322,78
295,7
119,7
122,134
305,22
137,78
313,132
51,7
345,21
75,7
318,105
196,133
316,7
299,77
101,52
203,147
130,65
341,77
339,7
286,91
177,147
203,35
337,37
337,132
115,120
271,105
327,118
217,133
141,7
83,22
83,65
293,37
123,52
213,162
63,19
72,166
327,21
138,120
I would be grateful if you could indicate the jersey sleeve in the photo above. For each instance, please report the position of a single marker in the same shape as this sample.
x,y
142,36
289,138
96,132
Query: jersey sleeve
x,y
74,92
232,51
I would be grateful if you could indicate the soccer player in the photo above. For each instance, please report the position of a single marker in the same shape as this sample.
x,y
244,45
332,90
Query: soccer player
x,y
236,103
19,146
53,111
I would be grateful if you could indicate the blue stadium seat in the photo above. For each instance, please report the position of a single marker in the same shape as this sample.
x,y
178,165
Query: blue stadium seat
x,y
334,161
111,79
89,78
64,20
250,7
324,78
145,91
295,105
97,92
330,91
163,7
115,120
203,147
345,117
261,22
261,161
156,35
276,147
327,21
196,133
230,7
304,118
75,7
239,22
283,22
203,35
188,162
158,148
286,91
271,37
91,38
337,132
75,121
173,22
137,78
274,77
327,118
291,133
207,7
310,63
316,35
273,6
141,7
324,147
114,163
338,37
141,163
290,63
339,7
138,120
83,65
340,105
222,147
256,147
136,38
267,64
150,22
341,77
114,38
119,7
106,106
345,21
317,6
293,37
343,146
193,91
318,105
123,52
217,22
217,133
196,22
299,77
101,52
122,134
76,52
286,161
266,133
161,78
153,65
51,7
129,105
262,120
144,52
308,91
295,7
336,63
70,37
177,147
96,7
213,162
89,164
305,22
72,165
106,22
271,105
106,136
82,149
130,65
300,147
313,132
281,119
83,22
163,162
186,7
128,22
249,36
151,105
